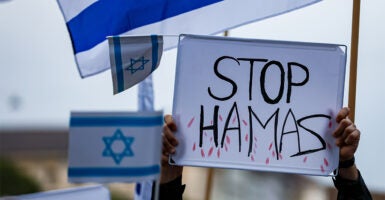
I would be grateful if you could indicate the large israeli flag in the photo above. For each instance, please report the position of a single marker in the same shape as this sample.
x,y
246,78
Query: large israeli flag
x,y
90,21
114,146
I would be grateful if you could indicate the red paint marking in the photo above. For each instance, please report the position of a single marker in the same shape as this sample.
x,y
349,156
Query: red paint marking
x,y
211,122
194,146
280,156
255,139
326,162
252,157
234,118
205,134
210,151
226,147
322,169
244,122
227,139
219,153
329,145
305,159
211,139
247,137
202,153
190,122
255,145
273,153
220,117
330,124
267,161
271,145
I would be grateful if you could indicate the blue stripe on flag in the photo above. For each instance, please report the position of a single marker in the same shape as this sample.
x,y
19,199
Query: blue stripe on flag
x,y
116,121
106,17
118,64
112,172
154,41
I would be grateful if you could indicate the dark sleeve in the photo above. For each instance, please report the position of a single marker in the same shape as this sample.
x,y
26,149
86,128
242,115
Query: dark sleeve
x,y
172,190
351,189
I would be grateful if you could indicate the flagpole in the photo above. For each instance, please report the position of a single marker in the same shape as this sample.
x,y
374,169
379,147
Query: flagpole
x,y
354,58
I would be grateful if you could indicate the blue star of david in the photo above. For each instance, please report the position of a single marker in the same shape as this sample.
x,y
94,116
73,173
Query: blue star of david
x,y
118,156
139,63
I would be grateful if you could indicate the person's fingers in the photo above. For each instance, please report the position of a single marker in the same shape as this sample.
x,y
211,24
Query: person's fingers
x,y
168,132
353,138
170,122
350,136
341,127
168,148
342,114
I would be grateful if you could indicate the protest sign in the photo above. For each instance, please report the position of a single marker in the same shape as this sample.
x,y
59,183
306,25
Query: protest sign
x,y
257,104
114,146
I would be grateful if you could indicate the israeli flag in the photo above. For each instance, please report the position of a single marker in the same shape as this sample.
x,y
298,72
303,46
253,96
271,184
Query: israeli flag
x,y
133,58
89,22
114,146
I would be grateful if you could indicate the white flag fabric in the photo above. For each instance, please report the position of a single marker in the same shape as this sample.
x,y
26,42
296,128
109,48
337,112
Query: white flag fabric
x,y
133,58
114,146
89,22
95,192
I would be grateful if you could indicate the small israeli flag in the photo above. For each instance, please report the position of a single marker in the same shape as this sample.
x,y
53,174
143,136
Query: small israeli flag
x,y
133,58
114,146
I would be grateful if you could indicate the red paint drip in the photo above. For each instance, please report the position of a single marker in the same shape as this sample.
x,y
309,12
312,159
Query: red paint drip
x,y
271,145
255,145
227,139
305,159
252,157
226,147
280,156
247,137
326,162
219,153
329,145
202,153
330,124
194,147
211,122
190,122
220,117
322,169
205,134
234,118
267,161
255,139
210,151
211,139
273,153
244,122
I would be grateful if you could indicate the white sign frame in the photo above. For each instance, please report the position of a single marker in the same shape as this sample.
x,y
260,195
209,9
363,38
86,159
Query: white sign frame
x,y
227,72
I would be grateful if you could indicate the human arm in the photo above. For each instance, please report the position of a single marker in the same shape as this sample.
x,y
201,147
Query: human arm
x,y
349,182
171,175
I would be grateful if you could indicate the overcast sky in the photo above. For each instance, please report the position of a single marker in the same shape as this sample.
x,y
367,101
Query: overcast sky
x,y
40,84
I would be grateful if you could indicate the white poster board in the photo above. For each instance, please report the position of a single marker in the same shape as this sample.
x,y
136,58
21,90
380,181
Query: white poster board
x,y
258,105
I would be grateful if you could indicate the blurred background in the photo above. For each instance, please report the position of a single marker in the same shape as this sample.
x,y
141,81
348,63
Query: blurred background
x,y
40,86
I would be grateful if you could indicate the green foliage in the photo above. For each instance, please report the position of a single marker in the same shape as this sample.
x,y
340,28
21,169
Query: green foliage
x,y
13,181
